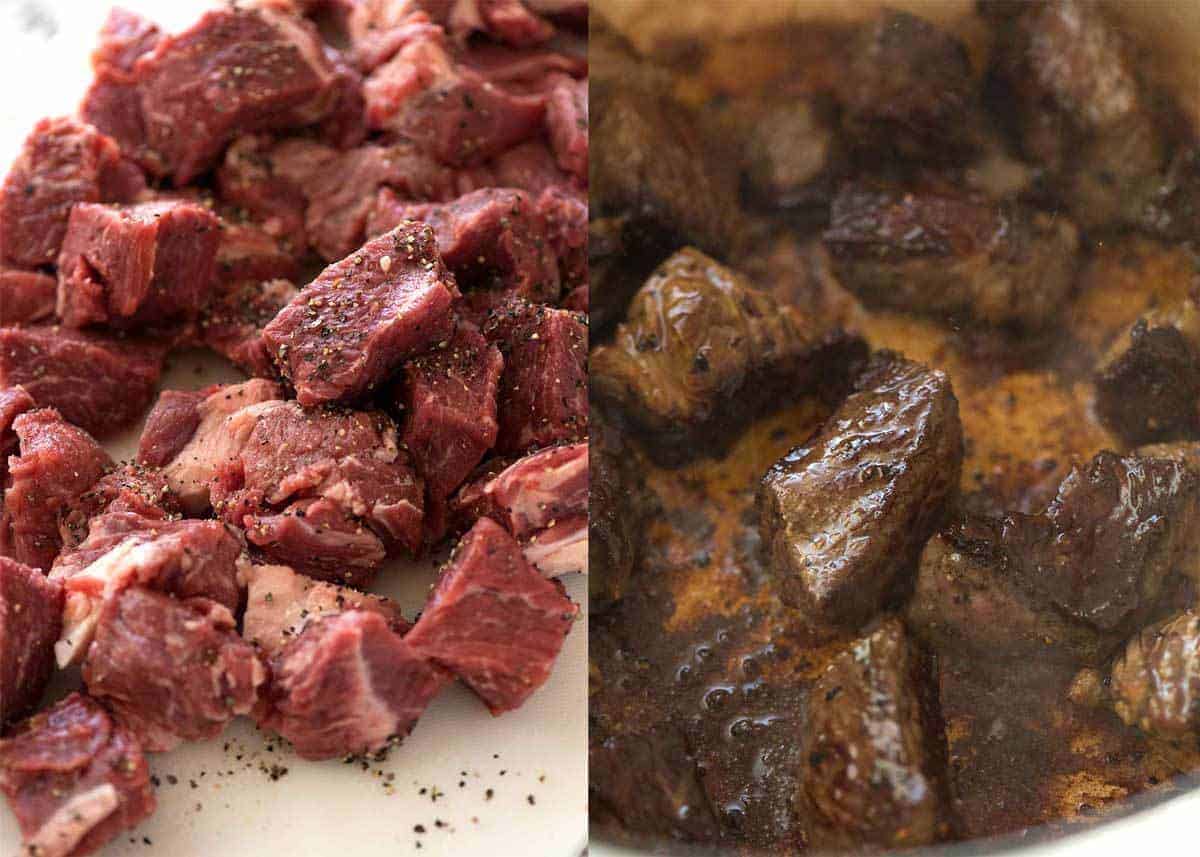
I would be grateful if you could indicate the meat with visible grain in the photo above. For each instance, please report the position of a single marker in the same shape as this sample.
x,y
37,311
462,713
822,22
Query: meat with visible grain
x,y
25,296
233,323
14,401
30,621
129,488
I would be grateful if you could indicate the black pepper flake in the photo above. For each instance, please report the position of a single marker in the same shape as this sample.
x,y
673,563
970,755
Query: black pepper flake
x,y
530,799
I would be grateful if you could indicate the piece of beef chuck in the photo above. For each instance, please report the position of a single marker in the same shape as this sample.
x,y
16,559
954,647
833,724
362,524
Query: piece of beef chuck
x,y
347,685
129,488
492,238
948,252
566,215
246,251
698,336
171,670
25,296
363,316
844,517
63,162
30,621
247,181
14,401
492,620
187,558
1156,680
98,382
56,464
543,389
136,266
75,779
234,70
233,323
567,123
874,746
1148,384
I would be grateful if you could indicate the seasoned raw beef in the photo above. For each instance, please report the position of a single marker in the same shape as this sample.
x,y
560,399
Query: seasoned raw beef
x,y
136,266
567,122
246,179
246,251
232,324
493,620
490,238
363,316
171,670
543,391
30,620
129,488
531,167
25,296
63,161
74,778
348,685
566,215
57,463
320,537
14,401
98,382
235,70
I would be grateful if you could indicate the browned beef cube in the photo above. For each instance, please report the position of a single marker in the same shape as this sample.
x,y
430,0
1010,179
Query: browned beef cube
x,y
57,463
364,316
790,150
75,779
235,70
98,382
1156,680
30,621
844,517
25,296
233,323
171,670
858,787
63,162
136,266
567,124
14,401
698,335
490,238
543,391
348,685
493,620
947,252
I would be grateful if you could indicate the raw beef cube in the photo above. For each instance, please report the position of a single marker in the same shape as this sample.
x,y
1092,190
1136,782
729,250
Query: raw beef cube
x,y
57,463
320,537
129,488
348,685
25,296
136,266
509,21
246,251
280,604
493,620
63,162
542,500
543,391
490,238
567,122
247,179
171,670
235,70
363,316
74,778
14,401
346,124
448,397
577,300
187,558
530,166
30,619
566,215
98,382
233,323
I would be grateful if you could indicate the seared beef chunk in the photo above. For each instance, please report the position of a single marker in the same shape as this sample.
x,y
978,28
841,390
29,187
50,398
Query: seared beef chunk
x,y
494,621
363,316
873,744
171,670
844,516
136,266
347,685
99,383
235,70
14,401
697,336
75,779
63,162
129,488
946,251
1156,681
1148,385
615,511
543,396
649,783
186,558
30,621
908,89
25,296
789,150
280,604
232,325
490,238
56,465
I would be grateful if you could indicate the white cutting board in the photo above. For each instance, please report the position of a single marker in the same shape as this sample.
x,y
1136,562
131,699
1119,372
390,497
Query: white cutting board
x,y
532,760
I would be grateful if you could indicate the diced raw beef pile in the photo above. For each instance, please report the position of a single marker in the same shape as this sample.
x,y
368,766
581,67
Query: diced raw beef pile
x,y
383,222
